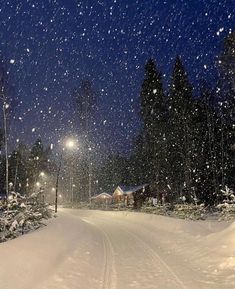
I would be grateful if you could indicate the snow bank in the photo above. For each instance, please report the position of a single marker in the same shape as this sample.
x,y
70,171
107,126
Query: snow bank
x,y
71,248
27,261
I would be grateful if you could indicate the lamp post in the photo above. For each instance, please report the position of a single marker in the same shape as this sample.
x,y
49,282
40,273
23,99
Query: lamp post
x,y
5,106
57,182
69,144
72,190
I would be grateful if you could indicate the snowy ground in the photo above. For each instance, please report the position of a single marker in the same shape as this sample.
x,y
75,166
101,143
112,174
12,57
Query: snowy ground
x,y
120,250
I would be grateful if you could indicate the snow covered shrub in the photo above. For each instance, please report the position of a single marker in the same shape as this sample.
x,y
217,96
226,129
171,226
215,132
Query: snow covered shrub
x,y
158,209
19,215
190,211
227,207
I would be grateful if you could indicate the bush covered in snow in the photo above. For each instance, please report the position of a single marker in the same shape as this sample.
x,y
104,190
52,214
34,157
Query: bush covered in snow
x,y
190,211
227,207
158,209
19,215
183,211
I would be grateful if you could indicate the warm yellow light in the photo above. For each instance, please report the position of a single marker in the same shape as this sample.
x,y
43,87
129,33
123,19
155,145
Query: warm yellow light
x,y
42,174
70,144
38,184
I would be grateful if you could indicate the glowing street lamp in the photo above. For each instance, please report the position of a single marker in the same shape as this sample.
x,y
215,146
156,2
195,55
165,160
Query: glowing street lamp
x,y
69,144
38,184
42,174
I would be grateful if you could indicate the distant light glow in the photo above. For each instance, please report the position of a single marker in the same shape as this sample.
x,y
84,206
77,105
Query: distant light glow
x,y
70,143
42,174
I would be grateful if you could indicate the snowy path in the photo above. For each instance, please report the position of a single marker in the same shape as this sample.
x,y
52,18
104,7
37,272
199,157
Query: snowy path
x,y
120,250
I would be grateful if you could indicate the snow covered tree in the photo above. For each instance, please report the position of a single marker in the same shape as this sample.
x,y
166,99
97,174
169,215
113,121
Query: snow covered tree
x,y
21,214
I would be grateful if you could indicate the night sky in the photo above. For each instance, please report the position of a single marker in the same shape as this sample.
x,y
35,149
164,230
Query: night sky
x,y
49,46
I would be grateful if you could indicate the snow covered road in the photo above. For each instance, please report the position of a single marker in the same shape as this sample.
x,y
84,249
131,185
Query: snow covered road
x,y
120,250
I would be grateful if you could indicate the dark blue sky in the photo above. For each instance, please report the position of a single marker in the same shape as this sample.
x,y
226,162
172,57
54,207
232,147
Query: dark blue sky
x,y
50,46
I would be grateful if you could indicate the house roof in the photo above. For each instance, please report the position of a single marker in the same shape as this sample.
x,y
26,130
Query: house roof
x,y
102,195
131,189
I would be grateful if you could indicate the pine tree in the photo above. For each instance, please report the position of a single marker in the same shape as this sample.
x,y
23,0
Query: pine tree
x,y
180,132
226,92
138,162
153,111
85,100
38,162
205,164
18,165
114,172
227,66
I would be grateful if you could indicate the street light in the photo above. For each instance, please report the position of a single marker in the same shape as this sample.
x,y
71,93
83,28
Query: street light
x,y
38,184
42,174
69,144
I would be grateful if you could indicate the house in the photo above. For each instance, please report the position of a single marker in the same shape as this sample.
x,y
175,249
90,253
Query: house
x,y
127,194
102,198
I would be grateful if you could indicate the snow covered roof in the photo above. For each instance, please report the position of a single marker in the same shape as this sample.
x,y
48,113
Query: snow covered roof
x,y
102,195
127,190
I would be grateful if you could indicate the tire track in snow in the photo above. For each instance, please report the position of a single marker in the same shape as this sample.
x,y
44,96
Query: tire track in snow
x,y
109,263
109,275
155,257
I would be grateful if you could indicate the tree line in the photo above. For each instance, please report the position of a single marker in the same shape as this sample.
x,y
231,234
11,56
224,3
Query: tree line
x,y
25,166
186,148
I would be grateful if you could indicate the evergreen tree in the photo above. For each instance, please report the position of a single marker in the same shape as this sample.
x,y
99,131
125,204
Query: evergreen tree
x,y
38,161
17,173
205,168
153,111
226,92
138,162
227,66
114,172
85,100
181,110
